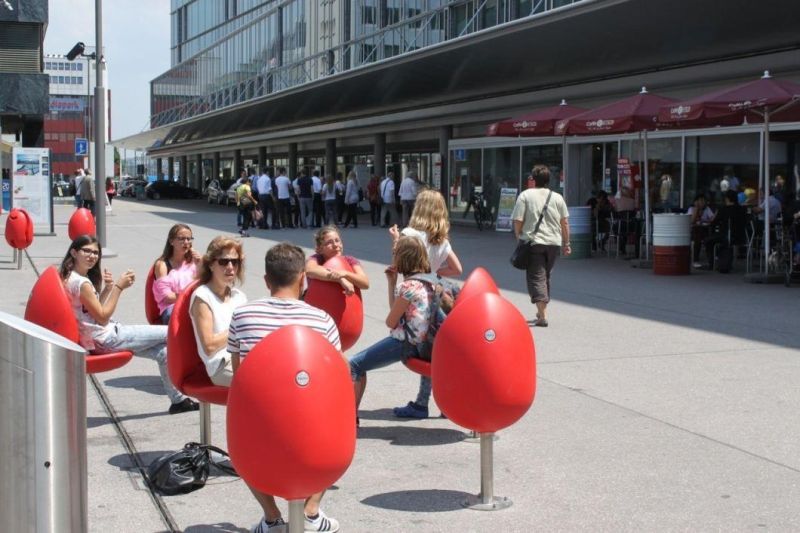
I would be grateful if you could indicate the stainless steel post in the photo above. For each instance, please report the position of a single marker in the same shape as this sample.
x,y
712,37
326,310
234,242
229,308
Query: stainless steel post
x,y
486,500
297,517
43,479
205,423
100,131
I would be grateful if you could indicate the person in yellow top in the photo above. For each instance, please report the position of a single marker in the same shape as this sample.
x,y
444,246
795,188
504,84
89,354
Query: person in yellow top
x,y
246,204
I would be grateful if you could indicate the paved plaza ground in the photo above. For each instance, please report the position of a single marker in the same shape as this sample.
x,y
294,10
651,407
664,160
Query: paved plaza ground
x,y
662,404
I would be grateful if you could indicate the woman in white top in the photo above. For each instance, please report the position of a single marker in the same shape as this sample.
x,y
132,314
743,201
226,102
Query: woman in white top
x,y
212,305
94,297
430,223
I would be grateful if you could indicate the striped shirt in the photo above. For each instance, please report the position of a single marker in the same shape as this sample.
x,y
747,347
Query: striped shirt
x,y
257,319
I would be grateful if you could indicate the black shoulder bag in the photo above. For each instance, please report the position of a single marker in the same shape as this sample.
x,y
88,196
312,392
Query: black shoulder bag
x,y
519,259
185,470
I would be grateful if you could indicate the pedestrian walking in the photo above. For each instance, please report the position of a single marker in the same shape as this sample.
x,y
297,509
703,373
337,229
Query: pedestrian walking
x,y
351,197
264,188
541,219
408,195
387,200
87,192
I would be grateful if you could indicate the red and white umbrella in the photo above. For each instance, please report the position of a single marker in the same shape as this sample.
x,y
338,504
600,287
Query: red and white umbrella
x,y
535,124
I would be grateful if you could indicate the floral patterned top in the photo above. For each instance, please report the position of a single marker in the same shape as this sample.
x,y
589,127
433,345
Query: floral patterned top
x,y
417,315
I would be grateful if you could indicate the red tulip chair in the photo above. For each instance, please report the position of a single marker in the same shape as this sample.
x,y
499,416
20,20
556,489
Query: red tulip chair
x,y
478,282
49,307
186,370
484,375
291,414
150,305
346,311
81,223
19,229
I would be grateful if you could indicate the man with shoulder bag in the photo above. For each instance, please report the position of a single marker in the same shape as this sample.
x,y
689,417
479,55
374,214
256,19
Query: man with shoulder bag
x,y
541,225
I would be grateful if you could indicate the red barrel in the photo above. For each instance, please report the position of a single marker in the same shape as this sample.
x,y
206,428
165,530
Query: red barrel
x,y
291,414
478,282
19,229
81,223
346,311
671,260
484,364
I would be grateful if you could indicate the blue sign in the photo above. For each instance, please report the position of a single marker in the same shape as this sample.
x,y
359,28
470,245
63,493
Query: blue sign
x,y
81,146
460,154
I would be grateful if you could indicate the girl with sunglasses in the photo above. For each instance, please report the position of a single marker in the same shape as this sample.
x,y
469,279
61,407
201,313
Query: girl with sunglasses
x,y
175,269
94,295
212,305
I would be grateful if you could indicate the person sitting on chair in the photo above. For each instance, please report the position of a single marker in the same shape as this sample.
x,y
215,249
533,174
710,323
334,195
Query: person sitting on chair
x,y
727,227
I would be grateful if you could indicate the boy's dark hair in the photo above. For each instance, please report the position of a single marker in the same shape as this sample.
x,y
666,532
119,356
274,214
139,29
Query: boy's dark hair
x,y
541,175
281,171
732,197
283,263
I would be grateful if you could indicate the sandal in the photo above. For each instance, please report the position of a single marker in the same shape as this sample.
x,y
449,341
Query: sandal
x,y
541,322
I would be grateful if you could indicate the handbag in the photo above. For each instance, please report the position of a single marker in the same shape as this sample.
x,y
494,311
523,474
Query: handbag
x,y
185,470
258,214
519,258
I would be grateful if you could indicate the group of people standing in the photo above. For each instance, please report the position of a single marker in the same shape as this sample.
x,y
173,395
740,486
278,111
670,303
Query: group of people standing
x,y
83,185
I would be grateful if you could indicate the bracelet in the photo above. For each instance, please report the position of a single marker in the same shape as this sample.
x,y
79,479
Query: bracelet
x,y
120,288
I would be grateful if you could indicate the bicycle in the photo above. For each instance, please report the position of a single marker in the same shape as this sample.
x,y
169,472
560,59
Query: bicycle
x,y
483,216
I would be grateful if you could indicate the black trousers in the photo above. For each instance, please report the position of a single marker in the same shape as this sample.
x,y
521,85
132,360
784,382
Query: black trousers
x,y
374,213
319,210
268,208
285,212
352,214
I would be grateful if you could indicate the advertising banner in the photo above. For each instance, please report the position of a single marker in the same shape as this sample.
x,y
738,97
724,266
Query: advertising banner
x,y
31,186
508,197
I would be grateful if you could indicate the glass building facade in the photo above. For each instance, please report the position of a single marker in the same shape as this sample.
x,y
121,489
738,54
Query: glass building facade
x,y
226,52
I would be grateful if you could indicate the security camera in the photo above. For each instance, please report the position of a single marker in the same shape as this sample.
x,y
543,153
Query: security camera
x,y
76,51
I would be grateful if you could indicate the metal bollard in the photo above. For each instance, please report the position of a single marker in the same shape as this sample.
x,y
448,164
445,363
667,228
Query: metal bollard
x,y
297,516
43,477
486,500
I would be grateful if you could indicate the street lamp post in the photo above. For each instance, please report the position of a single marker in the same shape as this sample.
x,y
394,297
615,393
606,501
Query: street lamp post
x,y
99,124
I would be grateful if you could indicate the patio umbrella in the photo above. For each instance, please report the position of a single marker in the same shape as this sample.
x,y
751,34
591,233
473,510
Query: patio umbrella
x,y
759,100
636,114
538,123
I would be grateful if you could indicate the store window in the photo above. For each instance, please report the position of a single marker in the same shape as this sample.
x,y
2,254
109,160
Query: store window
x,y
465,170
501,169
711,158
548,155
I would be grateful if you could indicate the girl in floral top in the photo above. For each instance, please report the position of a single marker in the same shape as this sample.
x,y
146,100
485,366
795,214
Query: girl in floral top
x,y
409,304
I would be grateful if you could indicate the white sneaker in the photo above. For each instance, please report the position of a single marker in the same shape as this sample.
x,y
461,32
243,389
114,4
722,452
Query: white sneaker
x,y
322,523
696,265
263,527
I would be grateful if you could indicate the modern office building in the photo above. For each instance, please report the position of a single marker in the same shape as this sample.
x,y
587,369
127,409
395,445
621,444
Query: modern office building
x,y
373,85
71,111
23,86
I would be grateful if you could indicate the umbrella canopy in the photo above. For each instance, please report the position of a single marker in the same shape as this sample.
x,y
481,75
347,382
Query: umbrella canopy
x,y
633,114
539,122
748,100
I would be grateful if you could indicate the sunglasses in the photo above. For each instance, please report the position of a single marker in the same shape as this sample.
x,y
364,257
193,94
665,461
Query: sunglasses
x,y
225,261
90,252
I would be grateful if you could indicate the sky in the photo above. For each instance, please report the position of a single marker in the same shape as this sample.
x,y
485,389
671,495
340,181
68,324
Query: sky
x,y
136,39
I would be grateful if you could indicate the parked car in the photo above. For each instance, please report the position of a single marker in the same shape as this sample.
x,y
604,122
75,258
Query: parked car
x,y
231,195
169,189
127,187
215,193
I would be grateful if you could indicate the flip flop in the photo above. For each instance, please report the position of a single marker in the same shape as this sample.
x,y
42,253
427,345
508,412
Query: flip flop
x,y
541,322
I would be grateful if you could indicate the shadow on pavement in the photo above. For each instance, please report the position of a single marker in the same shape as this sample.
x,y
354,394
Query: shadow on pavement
x,y
97,421
225,527
419,501
150,384
412,436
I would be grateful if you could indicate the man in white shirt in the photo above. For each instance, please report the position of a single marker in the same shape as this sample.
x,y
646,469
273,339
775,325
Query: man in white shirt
x,y
408,194
387,200
283,183
264,188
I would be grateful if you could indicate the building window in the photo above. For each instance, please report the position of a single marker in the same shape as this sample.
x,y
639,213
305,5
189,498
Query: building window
x,y
80,80
61,79
368,15
80,66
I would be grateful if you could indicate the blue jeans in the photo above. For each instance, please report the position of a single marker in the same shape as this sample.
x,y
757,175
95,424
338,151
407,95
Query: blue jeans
x,y
382,353
143,341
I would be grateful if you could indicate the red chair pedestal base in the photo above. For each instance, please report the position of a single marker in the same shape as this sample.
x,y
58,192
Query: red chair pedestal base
x,y
419,366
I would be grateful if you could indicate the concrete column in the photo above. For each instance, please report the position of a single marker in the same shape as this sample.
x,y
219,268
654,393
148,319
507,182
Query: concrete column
x,y
262,158
184,170
215,167
171,168
445,134
292,160
379,156
159,169
199,182
330,157
237,164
